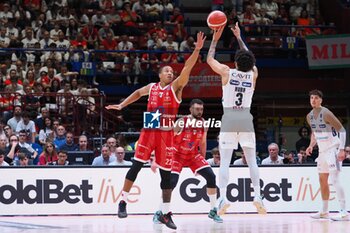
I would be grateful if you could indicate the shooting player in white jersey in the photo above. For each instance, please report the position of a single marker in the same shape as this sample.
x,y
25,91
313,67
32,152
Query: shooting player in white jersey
x,y
330,136
237,123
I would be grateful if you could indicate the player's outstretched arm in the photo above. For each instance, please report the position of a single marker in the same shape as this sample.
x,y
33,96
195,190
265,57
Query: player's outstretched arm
x,y
237,32
221,69
131,98
183,78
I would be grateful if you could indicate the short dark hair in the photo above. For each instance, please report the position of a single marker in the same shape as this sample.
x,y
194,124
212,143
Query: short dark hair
x,y
245,60
316,92
301,129
196,101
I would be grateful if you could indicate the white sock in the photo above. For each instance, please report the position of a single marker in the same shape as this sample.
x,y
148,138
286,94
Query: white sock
x,y
250,156
125,196
325,206
223,192
165,207
335,179
212,200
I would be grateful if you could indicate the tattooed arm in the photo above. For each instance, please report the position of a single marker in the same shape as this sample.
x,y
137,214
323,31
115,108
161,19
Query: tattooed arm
x,y
237,32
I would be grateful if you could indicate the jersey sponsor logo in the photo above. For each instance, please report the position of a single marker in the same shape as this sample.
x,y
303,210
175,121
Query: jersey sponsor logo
x,y
246,84
313,126
322,126
234,82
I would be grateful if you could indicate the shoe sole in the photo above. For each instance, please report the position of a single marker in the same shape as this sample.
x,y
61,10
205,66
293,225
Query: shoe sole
x,y
340,219
223,209
122,216
259,207
327,217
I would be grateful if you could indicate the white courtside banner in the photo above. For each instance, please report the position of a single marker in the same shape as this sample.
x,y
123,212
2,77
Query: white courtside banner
x,y
42,191
325,52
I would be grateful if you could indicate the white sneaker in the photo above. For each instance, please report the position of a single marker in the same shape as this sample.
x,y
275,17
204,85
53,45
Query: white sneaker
x,y
320,215
222,206
343,216
259,205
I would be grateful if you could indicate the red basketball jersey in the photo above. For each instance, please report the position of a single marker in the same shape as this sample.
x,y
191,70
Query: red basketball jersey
x,y
164,100
187,142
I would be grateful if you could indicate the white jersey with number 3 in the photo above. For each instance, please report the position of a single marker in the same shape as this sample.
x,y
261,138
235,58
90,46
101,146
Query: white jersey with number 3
x,y
238,91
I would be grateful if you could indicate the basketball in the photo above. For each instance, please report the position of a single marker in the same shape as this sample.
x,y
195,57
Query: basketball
x,y
216,19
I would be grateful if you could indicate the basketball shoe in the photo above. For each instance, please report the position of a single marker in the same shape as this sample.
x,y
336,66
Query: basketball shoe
x,y
213,214
167,220
222,206
156,217
343,216
320,215
259,205
122,209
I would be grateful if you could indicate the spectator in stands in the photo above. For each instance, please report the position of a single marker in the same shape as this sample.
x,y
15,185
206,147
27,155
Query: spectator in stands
x,y
72,30
22,16
11,30
28,126
83,143
2,159
4,40
3,140
169,58
62,43
177,24
12,150
106,4
53,54
152,10
47,132
30,77
115,21
347,154
64,100
60,138
23,160
167,9
8,131
54,32
171,43
62,159
159,30
79,41
304,141
215,160
17,117
6,103
295,10
289,158
139,8
303,158
99,19
273,158
129,18
69,145
5,14
121,141
31,101
90,33
120,155
105,158
154,43
25,148
112,144
249,17
49,154
102,33
271,8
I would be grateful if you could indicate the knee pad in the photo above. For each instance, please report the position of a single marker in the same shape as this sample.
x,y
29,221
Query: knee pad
x,y
134,170
165,182
209,176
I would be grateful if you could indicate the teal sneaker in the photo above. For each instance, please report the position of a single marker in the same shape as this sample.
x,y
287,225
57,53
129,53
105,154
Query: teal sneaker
x,y
213,214
156,216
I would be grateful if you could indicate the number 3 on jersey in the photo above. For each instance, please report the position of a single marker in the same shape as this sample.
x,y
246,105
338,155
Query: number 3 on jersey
x,y
239,98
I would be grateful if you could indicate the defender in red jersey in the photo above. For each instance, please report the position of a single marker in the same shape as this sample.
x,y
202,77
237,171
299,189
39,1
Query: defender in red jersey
x,y
164,99
191,136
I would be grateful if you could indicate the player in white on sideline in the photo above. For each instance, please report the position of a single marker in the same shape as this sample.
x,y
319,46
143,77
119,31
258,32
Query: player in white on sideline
x,y
237,123
330,136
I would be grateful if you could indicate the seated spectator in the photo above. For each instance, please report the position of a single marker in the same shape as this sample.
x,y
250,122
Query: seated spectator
x,y
12,150
121,141
28,126
120,154
105,158
102,33
62,159
49,154
176,24
24,146
23,160
7,131
2,159
243,160
347,154
129,19
215,160
271,9
169,58
249,17
72,30
153,10
303,158
60,138
83,143
273,158
154,43
98,19
69,145
295,10
46,133
289,158
170,43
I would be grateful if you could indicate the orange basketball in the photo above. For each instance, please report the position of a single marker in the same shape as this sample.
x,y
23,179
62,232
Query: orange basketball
x,y
216,19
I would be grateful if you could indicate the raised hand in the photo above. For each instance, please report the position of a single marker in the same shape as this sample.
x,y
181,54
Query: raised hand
x,y
217,33
309,151
236,31
200,40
